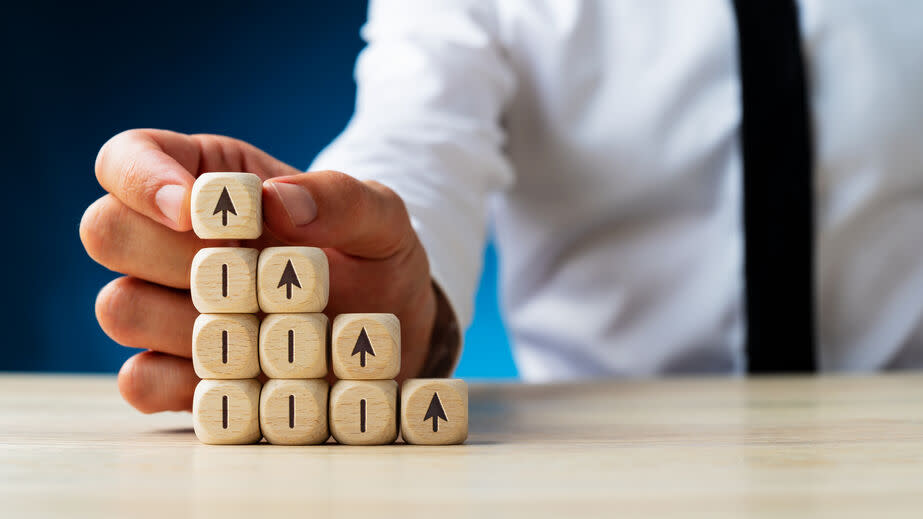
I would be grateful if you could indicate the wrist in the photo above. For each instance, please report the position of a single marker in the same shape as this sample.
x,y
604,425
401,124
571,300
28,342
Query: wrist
x,y
444,338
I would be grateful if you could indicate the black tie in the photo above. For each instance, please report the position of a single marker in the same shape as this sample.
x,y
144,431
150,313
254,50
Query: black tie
x,y
777,189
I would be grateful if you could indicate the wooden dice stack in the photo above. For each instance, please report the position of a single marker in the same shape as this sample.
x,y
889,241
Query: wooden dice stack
x,y
292,288
223,285
290,285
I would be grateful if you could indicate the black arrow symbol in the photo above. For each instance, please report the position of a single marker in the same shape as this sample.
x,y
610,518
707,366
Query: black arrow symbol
x,y
435,411
225,206
363,346
289,278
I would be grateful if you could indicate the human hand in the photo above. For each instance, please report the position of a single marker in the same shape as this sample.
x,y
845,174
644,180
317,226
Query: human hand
x,y
142,229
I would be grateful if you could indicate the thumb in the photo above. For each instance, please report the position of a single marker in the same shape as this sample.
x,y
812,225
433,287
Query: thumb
x,y
330,209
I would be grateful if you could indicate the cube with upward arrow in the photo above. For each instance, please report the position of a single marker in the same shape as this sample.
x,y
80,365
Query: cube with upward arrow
x,y
293,280
227,206
366,346
434,411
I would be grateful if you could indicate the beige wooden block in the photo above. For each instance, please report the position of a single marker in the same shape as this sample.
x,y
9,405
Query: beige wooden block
x,y
227,411
224,346
227,206
223,280
366,346
434,411
364,412
294,345
294,412
293,280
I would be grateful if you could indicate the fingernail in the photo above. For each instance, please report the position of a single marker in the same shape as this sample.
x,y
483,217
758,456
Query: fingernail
x,y
297,201
169,200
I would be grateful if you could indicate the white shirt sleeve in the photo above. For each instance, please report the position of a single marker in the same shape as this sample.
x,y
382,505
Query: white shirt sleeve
x,y
431,89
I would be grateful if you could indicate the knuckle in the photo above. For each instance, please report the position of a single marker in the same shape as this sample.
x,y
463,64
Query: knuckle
x,y
133,384
135,179
352,194
221,152
109,151
394,215
97,227
389,202
113,307
103,157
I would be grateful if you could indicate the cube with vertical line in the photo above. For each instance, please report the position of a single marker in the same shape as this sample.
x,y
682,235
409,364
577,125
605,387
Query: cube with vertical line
x,y
293,345
434,411
294,412
227,206
364,412
227,411
366,346
224,346
293,280
223,280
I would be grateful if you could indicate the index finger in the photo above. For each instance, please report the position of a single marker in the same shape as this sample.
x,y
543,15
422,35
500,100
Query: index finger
x,y
149,171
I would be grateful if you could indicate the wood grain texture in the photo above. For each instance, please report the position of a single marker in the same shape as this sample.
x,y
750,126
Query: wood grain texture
x,y
224,346
364,412
294,345
226,412
838,447
293,280
434,411
382,334
223,280
294,412
238,214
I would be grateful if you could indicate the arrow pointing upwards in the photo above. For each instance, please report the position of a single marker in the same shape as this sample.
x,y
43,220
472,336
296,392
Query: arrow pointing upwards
x,y
288,279
225,206
435,411
363,346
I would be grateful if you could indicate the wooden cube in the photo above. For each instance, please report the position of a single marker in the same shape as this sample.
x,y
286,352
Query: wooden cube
x,y
364,412
294,345
293,280
224,346
223,280
366,346
294,412
227,206
227,411
434,411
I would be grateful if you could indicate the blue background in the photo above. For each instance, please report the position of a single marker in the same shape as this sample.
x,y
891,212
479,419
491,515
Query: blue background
x,y
278,78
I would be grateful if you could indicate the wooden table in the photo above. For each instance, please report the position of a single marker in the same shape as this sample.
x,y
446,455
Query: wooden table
x,y
821,447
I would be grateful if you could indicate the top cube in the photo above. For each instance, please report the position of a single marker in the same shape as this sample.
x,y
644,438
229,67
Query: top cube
x,y
227,206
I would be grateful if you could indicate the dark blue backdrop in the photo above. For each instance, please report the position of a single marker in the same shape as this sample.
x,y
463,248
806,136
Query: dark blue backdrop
x,y
279,78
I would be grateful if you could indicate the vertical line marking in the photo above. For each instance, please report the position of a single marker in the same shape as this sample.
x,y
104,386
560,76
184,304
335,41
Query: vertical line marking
x,y
362,415
291,411
224,346
224,412
224,280
291,346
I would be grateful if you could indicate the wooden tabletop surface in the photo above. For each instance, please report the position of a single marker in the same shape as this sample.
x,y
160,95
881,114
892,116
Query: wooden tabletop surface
x,y
833,447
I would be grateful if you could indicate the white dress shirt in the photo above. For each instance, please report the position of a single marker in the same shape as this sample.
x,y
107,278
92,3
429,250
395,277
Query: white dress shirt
x,y
601,139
